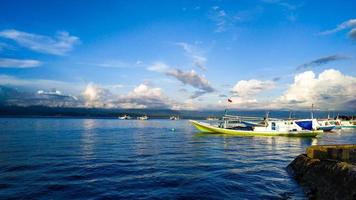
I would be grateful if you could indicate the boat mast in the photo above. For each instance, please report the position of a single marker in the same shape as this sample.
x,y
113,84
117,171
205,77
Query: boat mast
x,y
312,114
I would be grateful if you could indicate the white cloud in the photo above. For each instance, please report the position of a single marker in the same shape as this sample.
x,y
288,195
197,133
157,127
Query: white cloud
x,y
18,63
114,63
158,67
330,90
142,96
196,55
219,17
248,88
246,94
349,24
96,96
58,45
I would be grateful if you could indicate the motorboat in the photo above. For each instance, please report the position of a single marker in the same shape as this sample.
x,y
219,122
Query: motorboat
x,y
125,117
236,125
174,117
144,117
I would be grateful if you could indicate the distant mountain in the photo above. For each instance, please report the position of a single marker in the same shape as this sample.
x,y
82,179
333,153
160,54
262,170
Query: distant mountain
x,y
43,111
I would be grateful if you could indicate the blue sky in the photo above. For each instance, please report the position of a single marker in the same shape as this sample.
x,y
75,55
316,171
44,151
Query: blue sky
x,y
182,54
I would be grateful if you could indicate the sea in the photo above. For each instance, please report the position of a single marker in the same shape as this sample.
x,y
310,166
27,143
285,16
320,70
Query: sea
x,y
66,158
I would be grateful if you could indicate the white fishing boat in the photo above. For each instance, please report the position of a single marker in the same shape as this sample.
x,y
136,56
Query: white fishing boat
x,y
212,118
145,117
174,117
266,127
125,117
347,124
343,123
327,124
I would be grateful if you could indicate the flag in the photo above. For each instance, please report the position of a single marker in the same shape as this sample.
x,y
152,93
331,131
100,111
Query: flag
x,y
229,100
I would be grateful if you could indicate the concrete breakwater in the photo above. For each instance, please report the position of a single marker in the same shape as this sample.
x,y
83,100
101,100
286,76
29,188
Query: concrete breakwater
x,y
326,171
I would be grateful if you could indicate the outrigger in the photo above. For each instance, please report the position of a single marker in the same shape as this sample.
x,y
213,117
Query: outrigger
x,y
254,126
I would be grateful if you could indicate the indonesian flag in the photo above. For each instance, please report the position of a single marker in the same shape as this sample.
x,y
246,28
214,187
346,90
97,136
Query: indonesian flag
x,y
229,100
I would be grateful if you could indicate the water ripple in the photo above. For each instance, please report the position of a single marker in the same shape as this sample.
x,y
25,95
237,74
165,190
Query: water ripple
x,y
112,159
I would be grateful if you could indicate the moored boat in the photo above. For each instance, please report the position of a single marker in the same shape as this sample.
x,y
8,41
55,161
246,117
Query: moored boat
x,y
326,124
273,128
347,124
174,117
255,126
212,118
125,117
144,117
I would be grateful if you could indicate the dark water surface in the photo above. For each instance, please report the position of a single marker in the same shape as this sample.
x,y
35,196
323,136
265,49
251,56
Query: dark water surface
x,y
108,158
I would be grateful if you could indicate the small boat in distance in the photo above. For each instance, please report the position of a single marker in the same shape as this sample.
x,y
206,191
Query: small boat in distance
x,y
125,117
212,118
144,117
174,117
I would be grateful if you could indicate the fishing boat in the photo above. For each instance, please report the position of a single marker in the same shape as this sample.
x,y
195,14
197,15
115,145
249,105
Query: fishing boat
x,y
267,127
326,124
347,124
145,117
343,123
212,118
174,117
125,117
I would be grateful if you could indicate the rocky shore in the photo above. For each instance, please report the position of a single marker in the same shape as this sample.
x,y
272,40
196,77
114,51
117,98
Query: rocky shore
x,y
327,171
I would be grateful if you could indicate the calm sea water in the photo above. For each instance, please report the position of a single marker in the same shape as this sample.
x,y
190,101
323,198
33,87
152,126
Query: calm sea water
x,y
108,158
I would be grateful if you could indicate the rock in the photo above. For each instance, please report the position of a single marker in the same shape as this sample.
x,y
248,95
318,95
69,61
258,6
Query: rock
x,y
324,178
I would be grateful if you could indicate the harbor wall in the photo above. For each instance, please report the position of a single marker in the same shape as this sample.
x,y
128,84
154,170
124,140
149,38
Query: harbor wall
x,y
326,171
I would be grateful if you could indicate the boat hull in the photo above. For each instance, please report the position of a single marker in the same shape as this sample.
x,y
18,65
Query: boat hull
x,y
327,128
348,126
207,128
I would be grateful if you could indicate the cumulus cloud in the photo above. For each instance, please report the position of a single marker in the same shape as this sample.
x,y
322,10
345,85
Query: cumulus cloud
x,y
323,61
351,23
248,88
193,79
144,96
196,55
330,90
18,63
96,96
246,94
60,44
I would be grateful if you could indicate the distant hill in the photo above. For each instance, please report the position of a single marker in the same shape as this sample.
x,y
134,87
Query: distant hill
x,y
43,111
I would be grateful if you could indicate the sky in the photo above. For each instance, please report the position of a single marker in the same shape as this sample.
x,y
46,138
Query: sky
x,y
261,54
